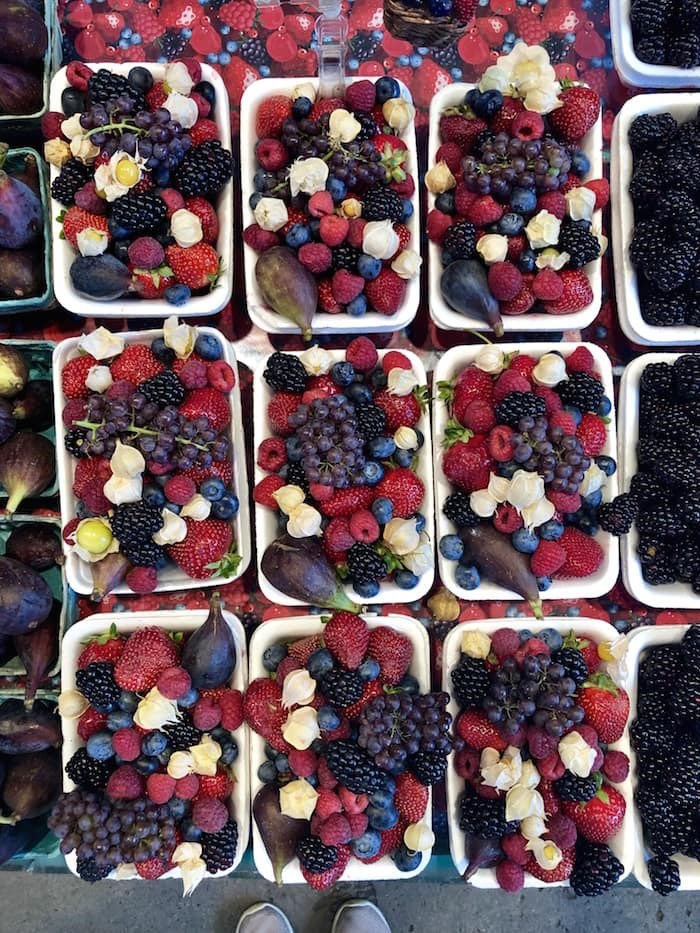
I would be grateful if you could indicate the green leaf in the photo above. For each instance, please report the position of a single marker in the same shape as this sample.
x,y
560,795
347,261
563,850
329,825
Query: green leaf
x,y
454,432
602,681
422,396
61,216
342,571
228,564
446,390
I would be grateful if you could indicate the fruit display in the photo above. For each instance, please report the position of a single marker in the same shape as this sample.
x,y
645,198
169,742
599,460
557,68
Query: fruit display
x,y
515,199
330,210
538,789
663,664
25,57
347,742
155,749
524,450
343,487
152,467
141,187
666,33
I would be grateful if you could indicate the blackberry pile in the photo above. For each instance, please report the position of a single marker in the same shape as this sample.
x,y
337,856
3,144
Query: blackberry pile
x,y
484,817
133,525
342,688
666,32
456,507
365,565
138,213
96,683
88,773
576,239
285,373
204,170
596,869
353,768
314,856
105,87
459,242
164,389
219,849
382,203
74,175
470,681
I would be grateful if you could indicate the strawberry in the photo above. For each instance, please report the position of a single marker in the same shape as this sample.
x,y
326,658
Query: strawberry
x,y
74,374
592,433
107,647
403,488
326,879
272,113
477,732
580,110
547,559
76,220
345,502
204,131
205,544
601,189
583,554
387,292
279,408
151,283
263,711
460,129
606,707
370,690
221,468
195,266
411,797
346,636
302,649
589,650
135,364
207,217
218,785
147,653
400,409
210,403
468,465
152,868
577,293
599,818
91,722
392,651
580,361
472,384
560,873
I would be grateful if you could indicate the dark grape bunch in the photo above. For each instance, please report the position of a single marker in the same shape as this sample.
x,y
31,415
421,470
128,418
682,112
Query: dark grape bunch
x,y
326,442
501,163
548,450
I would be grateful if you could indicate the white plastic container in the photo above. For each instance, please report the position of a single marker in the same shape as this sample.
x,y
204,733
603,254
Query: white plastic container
x,y
291,629
126,307
170,621
266,524
171,577
638,641
323,323
530,322
598,583
631,69
668,595
622,843
683,107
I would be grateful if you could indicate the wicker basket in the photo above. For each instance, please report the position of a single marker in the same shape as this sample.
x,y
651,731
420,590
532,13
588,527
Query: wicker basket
x,y
419,28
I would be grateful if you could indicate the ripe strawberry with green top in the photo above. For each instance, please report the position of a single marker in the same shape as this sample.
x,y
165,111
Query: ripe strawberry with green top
x,y
205,549
600,818
346,636
147,653
401,410
606,706
271,114
209,403
264,712
392,651
195,266
411,797
577,115
108,647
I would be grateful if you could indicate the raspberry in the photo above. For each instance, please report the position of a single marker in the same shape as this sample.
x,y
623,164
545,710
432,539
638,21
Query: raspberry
x,y
616,766
580,361
527,125
360,96
173,200
564,502
206,714
547,559
507,519
505,280
499,443
51,124
485,211
209,814
437,225
272,454
325,777
554,202
356,231
551,767
89,200
262,494
303,763
146,253
467,763
142,580
127,744
451,154
179,490
327,804
174,683
333,229
358,824
231,705
464,198
552,401
91,722
125,783
259,239
187,787
364,527
394,359
346,286
547,285
509,875
220,376
321,203
562,419
479,416
94,498
316,257
335,830
509,381
160,787
271,154
561,830
193,374
504,642
540,743
362,353
338,537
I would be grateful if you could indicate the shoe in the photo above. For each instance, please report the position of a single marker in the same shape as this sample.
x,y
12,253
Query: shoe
x,y
263,918
359,916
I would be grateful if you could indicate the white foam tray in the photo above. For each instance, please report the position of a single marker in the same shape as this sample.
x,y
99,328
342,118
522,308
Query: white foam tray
x,y
266,525
637,643
170,621
323,323
171,577
683,107
668,595
622,844
126,307
602,581
631,69
449,319
291,629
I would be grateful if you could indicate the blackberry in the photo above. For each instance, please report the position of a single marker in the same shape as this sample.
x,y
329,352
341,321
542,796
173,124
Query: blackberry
x,y
686,377
371,421
76,442
96,683
596,869
138,213
457,508
660,572
182,734
219,849
342,688
557,48
134,523
89,870
73,176
671,266
204,170
382,203
684,51
690,648
650,736
285,373
686,556
296,476
581,390
649,16
253,51
345,257
368,127
484,817
652,706
517,405
576,239
662,522
460,240
618,516
363,46
647,243
470,681
652,769
664,875
172,45
351,767
164,388
662,310
447,57
683,784
572,660
314,856
428,767
651,131
670,422
104,86
574,788
365,565
645,488
144,553
89,773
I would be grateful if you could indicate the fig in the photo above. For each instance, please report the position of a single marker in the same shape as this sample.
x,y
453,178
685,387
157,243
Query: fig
x,y
103,278
107,573
25,598
21,213
498,561
36,545
32,784
21,91
300,569
14,371
287,287
24,34
482,853
35,404
38,650
7,421
21,274
280,833
465,288
30,174
27,467
22,731
209,656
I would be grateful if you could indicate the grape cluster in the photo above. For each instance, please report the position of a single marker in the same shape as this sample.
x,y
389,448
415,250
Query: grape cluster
x,y
540,692
503,163
395,727
326,442
548,450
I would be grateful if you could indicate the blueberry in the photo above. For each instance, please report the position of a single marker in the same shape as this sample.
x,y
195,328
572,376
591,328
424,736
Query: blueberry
x,y
383,510
606,464
594,499
225,508
386,88
140,78
270,752
467,577
543,583
588,525
409,684
382,818
177,295
178,808
359,394
229,752
451,547
381,447
525,541
144,764
378,378
523,200
369,669
373,472
407,209
551,530
525,635
604,407
420,521
508,469
368,267
189,699
342,374
574,412
282,763
164,757
447,258
301,108
405,579
154,495
552,638
405,859
403,458
382,798
273,657
293,448
297,236
267,772
154,743
510,224
445,202
328,719
173,507
337,189
119,719
255,199
580,162
320,663
99,746
260,180
128,701
161,176
162,353
213,488
366,590
72,101
205,88
190,832
357,307
367,845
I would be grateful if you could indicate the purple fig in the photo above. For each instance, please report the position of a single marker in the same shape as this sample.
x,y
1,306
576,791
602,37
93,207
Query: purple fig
x,y
38,651
24,34
299,568
482,853
35,404
209,656
465,288
36,545
23,731
280,833
108,573
32,784
21,91
21,274
21,214
27,467
496,558
102,278
7,421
